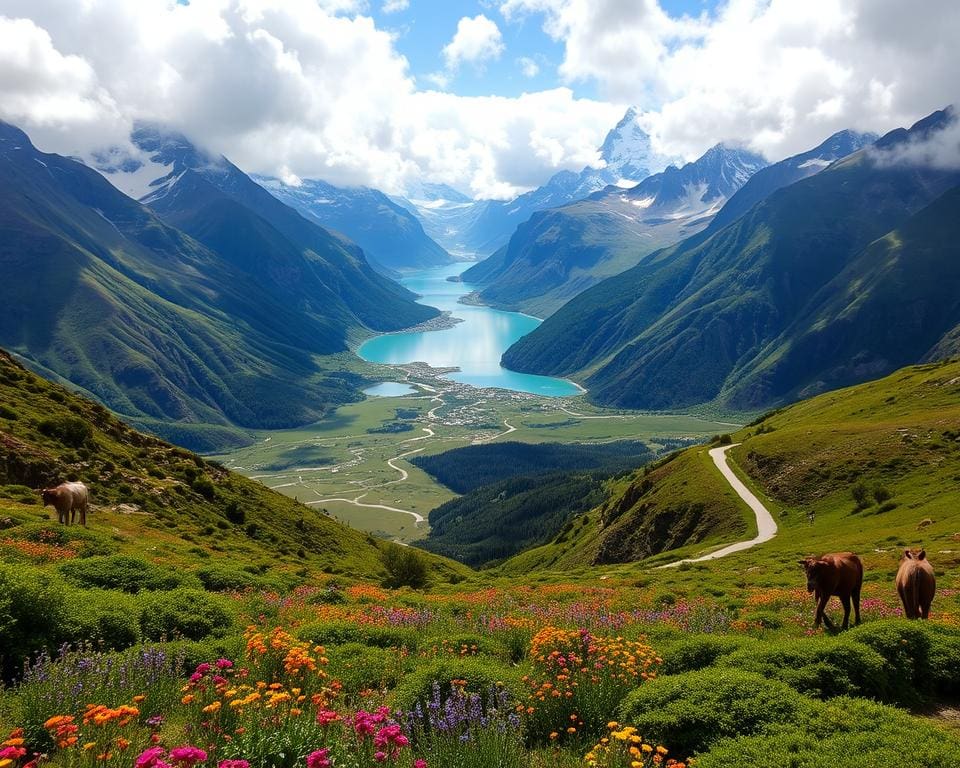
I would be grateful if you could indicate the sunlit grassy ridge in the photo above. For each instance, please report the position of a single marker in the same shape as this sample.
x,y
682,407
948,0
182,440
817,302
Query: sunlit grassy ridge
x,y
152,498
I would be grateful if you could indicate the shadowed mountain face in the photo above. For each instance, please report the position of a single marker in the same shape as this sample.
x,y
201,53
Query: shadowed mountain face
x,y
750,315
211,199
189,339
561,252
389,234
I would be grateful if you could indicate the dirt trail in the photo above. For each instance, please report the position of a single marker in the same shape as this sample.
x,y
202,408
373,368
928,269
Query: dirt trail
x,y
766,525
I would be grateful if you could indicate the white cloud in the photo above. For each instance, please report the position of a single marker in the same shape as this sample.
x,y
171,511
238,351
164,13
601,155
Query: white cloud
x,y
779,75
395,6
528,66
475,41
282,87
316,90
934,149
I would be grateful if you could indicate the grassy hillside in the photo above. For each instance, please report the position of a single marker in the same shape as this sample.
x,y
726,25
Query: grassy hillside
x,y
897,438
688,325
168,508
715,662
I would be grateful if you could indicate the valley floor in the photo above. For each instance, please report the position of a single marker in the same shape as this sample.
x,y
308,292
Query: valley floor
x,y
355,467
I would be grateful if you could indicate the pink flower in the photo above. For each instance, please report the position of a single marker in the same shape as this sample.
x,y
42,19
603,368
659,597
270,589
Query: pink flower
x,y
224,664
187,756
319,759
203,668
233,764
12,753
380,756
421,763
149,758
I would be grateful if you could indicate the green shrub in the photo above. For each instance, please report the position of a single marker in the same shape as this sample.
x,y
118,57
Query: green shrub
x,y
339,632
360,667
700,651
32,611
204,486
764,619
219,578
851,732
405,567
128,574
820,667
69,430
479,673
692,711
110,620
187,613
922,659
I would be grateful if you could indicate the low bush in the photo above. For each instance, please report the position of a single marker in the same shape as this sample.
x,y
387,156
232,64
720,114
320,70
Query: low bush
x,y
819,667
220,578
339,632
108,619
849,732
405,567
477,675
360,667
32,612
187,613
122,572
692,711
700,651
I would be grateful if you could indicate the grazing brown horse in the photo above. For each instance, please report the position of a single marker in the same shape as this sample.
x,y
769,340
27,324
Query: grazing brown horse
x,y
68,499
916,584
839,574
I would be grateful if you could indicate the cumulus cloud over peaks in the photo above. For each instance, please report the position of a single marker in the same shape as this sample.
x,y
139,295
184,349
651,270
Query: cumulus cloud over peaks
x,y
284,87
779,75
315,89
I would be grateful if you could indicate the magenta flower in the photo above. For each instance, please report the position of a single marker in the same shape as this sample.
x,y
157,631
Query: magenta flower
x,y
149,758
421,763
224,664
319,759
187,756
233,764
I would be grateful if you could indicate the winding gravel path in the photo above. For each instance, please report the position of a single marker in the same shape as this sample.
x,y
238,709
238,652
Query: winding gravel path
x,y
766,525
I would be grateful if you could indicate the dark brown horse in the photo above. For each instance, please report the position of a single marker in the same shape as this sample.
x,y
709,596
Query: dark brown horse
x,y
839,574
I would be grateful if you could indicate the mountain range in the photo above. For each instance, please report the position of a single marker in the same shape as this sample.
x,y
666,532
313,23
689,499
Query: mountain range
x,y
477,228
389,234
836,278
561,252
195,314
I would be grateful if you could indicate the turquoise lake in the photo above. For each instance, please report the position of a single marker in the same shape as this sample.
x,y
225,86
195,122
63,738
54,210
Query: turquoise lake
x,y
474,345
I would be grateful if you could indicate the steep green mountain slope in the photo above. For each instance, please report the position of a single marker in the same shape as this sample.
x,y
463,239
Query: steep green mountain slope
x,y
897,439
191,342
153,499
498,520
324,274
913,272
559,253
389,234
680,328
470,467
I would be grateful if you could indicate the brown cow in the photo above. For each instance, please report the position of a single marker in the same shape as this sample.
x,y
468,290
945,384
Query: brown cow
x,y
68,499
839,574
916,584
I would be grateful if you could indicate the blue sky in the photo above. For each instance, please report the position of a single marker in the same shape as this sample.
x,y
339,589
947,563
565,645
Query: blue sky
x,y
426,26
